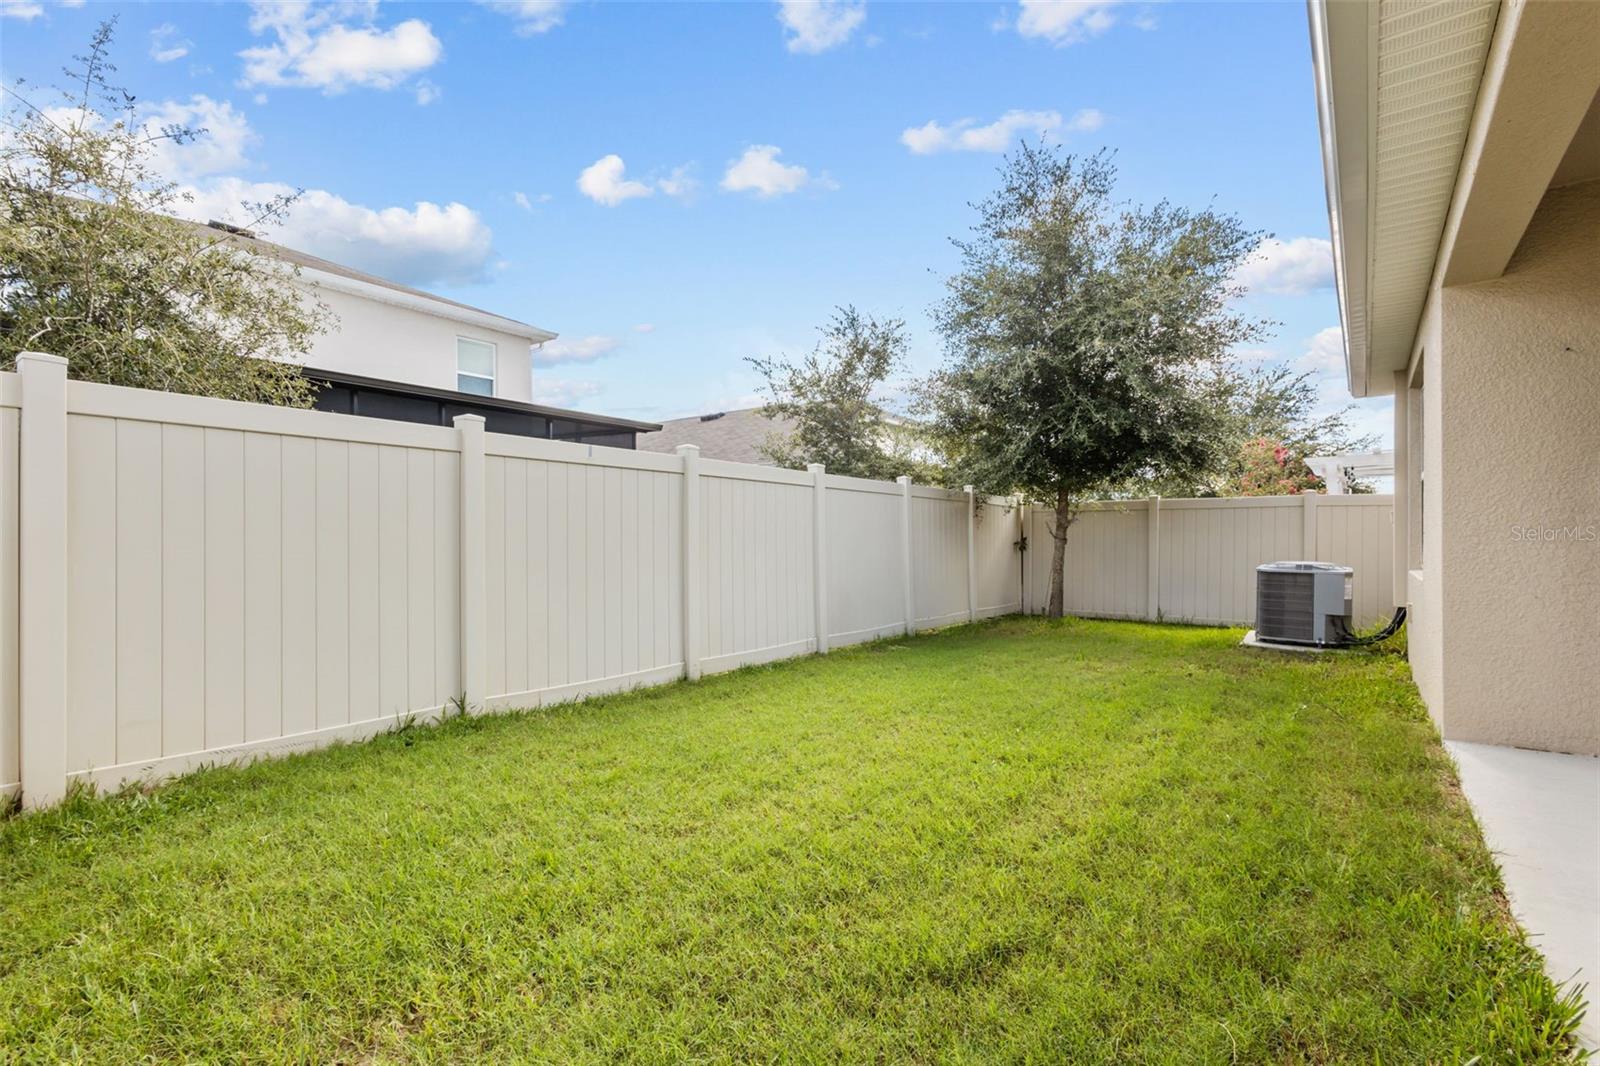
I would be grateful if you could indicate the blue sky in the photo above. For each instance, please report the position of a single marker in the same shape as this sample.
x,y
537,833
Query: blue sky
x,y
673,187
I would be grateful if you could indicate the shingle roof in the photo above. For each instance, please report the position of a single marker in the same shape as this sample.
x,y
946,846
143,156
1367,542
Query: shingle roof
x,y
734,436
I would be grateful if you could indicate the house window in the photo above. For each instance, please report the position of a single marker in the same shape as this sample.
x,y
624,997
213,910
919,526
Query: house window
x,y
474,367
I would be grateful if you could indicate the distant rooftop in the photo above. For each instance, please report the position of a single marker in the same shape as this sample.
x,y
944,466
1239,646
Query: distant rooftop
x,y
733,436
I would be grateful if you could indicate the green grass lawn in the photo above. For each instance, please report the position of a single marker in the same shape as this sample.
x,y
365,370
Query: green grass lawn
x,y
1079,841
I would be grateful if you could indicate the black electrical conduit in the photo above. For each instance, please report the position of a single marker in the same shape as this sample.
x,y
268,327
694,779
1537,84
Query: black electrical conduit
x,y
1348,639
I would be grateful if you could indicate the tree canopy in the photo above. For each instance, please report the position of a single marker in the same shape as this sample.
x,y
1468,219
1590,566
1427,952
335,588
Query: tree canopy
x,y
1083,338
1272,422
94,267
834,398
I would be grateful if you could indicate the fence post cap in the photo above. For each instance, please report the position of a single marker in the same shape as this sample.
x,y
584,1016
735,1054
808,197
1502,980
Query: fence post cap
x,y
817,468
468,421
41,358
903,479
967,489
687,449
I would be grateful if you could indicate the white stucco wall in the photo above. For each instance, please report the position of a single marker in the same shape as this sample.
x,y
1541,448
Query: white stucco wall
x,y
381,340
1506,646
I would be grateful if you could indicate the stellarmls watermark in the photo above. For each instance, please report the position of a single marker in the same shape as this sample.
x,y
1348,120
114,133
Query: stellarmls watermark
x,y
1542,534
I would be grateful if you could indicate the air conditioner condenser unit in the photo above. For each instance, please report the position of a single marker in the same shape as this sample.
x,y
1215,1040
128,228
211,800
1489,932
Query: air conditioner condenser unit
x,y
1304,603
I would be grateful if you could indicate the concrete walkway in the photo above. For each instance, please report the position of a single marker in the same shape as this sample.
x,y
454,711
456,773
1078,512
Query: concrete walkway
x,y
1540,813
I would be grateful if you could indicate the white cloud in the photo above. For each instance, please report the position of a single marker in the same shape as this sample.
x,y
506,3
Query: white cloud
x,y
1292,268
813,26
226,136
318,47
427,92
1086,120
1064,22
527,203
422,245
681,183
531,16
577,350
20,9
603,182
645,327
1324,353
222,134
965,135
562,392
758,171
166,45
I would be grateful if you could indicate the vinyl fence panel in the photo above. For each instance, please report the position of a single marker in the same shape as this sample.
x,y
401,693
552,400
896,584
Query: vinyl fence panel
x,y
1210,549
756,573
865,561
1107,563
1206,552
210,581
583,568
240,579
1358,532
10,410
999,564
939,556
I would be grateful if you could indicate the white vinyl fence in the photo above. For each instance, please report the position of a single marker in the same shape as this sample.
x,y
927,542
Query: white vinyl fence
x,y
1195,560
188,580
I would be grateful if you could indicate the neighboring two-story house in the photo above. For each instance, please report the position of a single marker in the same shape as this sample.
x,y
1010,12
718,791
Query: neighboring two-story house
x,y
406,354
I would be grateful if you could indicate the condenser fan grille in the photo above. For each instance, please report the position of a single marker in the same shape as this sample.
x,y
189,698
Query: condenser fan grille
x,y
1286,605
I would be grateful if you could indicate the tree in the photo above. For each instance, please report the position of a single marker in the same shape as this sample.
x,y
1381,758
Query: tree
x,y
1271,404
1279,406
1080,336
833,398
94,267
1269,468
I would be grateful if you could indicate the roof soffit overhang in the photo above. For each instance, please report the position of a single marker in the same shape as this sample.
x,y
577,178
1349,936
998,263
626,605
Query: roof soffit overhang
x,y
1397,85
1540,82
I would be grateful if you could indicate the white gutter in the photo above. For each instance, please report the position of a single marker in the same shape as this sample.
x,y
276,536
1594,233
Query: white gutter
x,y
1344,120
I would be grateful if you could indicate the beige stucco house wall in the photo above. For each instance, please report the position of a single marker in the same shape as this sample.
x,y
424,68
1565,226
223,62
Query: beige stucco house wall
x,y
1506,644
1464,195
1520,401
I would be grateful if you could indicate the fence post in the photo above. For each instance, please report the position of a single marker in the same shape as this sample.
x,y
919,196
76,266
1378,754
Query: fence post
x,y
474,573
690,454
904,481
972,555
1308,542
1022,561
1152,607
819,551
42,574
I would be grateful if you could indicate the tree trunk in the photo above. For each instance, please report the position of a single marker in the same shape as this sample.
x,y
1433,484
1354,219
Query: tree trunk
x,y
1058,553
